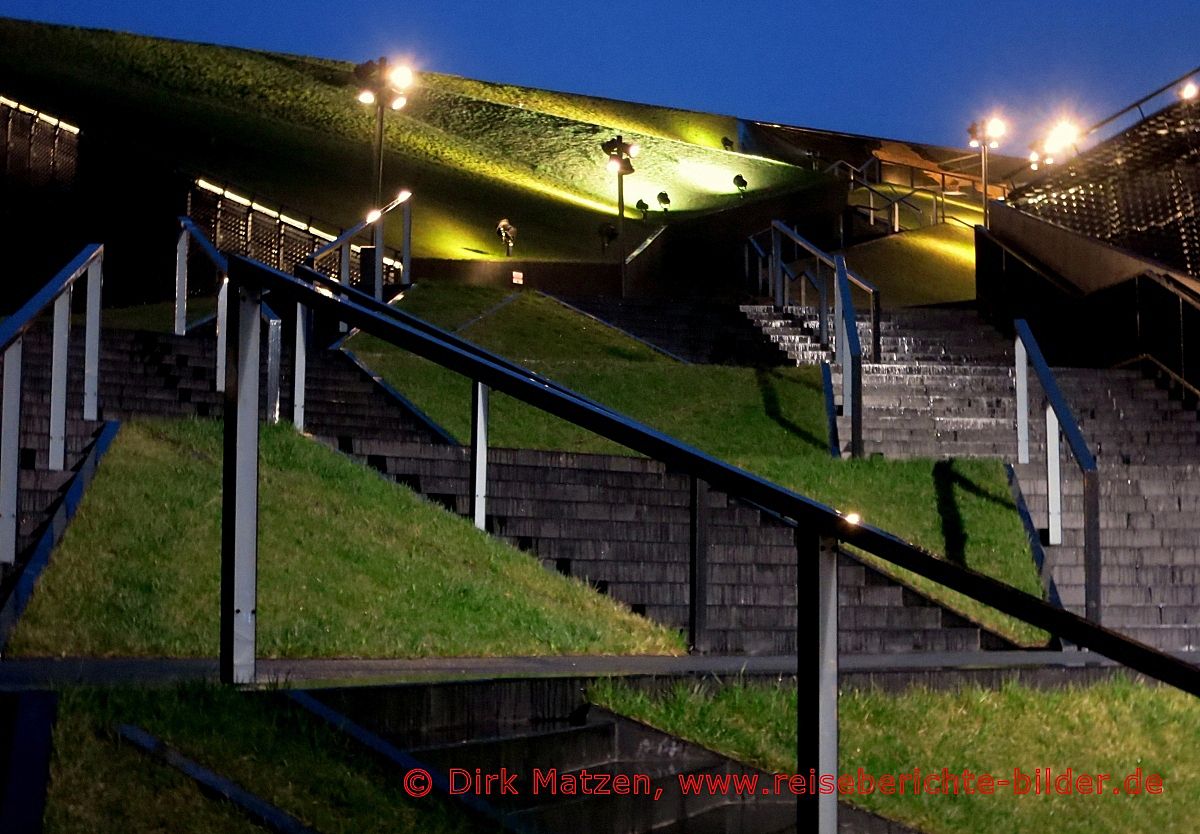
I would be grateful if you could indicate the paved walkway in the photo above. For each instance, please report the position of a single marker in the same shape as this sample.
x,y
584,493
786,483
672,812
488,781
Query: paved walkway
x,y
42,672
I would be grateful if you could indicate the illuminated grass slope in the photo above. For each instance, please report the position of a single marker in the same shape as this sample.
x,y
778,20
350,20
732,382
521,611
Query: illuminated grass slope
x,y
288,128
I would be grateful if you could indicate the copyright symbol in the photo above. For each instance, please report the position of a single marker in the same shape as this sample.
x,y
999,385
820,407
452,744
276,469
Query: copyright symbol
x,y
417,782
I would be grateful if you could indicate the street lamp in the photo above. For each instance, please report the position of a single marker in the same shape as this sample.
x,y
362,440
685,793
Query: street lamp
x,y
986,136
1189,91
383,86
619,153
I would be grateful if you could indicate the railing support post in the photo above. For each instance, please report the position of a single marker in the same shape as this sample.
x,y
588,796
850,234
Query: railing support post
x,y
777,267
239,493
479,453
222,331
91,340
1053,479
895,217
698,567
406,256
876,336
274,360
181,283
816,652
299,367
58,380
378,255
10,450
1091,546
1022,381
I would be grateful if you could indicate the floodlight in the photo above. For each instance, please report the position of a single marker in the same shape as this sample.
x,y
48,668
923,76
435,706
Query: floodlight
x,y
401,77
633,149
643,207
996,128
398,102
852,518
664,200
740,182
1189,91
727,143
366,97
1062,136
507,233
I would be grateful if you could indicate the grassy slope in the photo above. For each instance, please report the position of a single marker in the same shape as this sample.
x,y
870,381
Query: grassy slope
x,y
349,565
254,119
1106,728
925,266
771,422
271,748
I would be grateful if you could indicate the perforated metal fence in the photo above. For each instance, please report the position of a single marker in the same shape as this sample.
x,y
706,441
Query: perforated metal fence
x,y
1139,190
36,148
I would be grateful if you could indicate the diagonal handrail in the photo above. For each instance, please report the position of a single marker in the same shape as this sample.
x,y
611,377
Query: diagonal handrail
x,y
56,295
252,278
1059,417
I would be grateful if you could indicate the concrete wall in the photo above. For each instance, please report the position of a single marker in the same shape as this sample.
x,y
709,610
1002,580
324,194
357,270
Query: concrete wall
x,y
1085,262
566,277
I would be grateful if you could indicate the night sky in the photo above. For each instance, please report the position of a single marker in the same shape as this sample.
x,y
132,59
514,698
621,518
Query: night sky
x,y
904,69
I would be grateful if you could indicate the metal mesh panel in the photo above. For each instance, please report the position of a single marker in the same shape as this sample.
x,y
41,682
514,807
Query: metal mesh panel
x,y
232,227
41,153
203,209
1139,190
264,238
18,143
296,245
66,157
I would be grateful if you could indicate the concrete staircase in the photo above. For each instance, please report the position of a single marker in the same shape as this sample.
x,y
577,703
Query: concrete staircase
x,y
619,523
945,389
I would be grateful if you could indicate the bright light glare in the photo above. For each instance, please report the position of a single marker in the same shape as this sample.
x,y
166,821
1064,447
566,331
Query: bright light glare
x,y
852,518
398,102
613,165
1033,156
366,97
403,196
1063,135
974,143
996,128
374,215
1189,91
401,77
634,149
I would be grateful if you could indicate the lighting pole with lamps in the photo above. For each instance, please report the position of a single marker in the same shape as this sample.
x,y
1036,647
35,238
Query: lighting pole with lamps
x,y
619,153
986,136
384,86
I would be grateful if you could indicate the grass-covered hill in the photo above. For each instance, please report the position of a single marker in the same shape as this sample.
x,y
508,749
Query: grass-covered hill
x,y
289,130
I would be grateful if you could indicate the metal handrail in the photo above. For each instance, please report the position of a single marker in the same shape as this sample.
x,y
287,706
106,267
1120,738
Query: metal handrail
x,y
189,231
251,278
848,353
893,202
779,229
342,243
408,319
819,529
57,294
1059,417
1137,105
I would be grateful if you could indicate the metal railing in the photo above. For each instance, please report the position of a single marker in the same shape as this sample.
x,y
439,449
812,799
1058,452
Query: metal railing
x,y
189,232
36,147
848,354
819,530
1059,419
779,231
342,246
892,202
57,293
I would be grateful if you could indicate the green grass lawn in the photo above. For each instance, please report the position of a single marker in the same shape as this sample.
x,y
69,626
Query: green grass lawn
x,y
471,152
350,565
266,745
1103,728
771,422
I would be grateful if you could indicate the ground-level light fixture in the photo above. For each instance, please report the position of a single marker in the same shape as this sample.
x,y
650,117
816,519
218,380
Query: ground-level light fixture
x,y
740,182
643,207
507,233
852,518
664,201
727,143
608,233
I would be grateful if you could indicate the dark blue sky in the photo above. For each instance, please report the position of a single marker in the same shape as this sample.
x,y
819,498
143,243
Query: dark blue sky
x,y
905,68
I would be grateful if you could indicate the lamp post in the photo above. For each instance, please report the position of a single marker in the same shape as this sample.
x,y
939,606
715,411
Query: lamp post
x,y
619,153
985,136
383,86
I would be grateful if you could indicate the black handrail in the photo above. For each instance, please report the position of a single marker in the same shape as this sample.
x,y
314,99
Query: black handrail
x,y
198,235
419,324
811,516
849,355
1137,105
